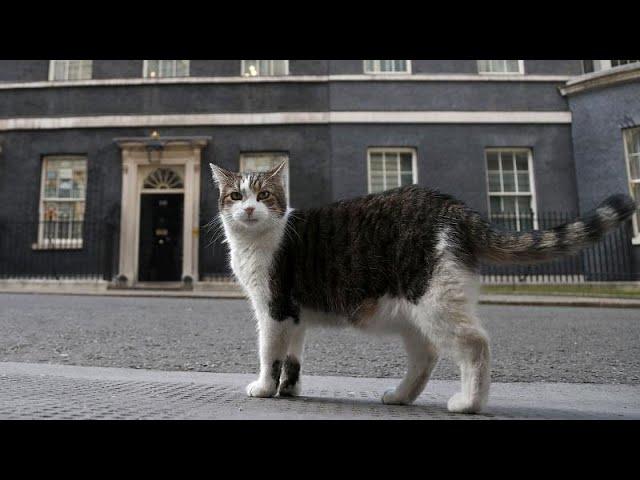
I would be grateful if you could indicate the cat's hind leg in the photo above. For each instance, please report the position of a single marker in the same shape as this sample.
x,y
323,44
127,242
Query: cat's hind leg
x,y
472,353
422,357
290,377
450,321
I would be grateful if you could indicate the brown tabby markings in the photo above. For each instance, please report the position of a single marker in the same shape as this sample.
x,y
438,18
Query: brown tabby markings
x,y
364,312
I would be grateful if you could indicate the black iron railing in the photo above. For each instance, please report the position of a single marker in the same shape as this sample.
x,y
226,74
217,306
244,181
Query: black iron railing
x,y
58,249
610,259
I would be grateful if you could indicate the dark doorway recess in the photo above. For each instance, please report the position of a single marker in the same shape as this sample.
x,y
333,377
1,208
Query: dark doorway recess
x,y
160,253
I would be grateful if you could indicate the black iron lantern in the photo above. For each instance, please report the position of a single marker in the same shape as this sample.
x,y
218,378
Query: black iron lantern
x,y
154,147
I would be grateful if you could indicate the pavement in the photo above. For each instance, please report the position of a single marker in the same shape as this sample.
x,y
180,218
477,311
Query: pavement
x,y
41,391
229,290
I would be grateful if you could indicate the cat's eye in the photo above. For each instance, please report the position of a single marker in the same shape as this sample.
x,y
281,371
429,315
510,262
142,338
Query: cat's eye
x,y
236,196
263,195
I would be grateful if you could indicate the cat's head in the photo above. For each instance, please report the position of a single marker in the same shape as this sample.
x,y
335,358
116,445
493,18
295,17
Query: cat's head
x,y
251,202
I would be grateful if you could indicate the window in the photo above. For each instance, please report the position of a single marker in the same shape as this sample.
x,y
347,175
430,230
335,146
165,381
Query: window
x,y
391,168
511,190
166,68
263,162
62,200
632,149
387,66
501,66
261,68
608,64
64,70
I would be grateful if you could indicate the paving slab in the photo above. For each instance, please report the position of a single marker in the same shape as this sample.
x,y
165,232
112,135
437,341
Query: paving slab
x,y
45,391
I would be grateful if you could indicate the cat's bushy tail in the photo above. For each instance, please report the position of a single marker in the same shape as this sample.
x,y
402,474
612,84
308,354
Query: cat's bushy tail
x,y
544,245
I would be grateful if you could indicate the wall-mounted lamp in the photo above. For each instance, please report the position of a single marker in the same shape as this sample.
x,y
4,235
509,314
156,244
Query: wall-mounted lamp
x,y
154,148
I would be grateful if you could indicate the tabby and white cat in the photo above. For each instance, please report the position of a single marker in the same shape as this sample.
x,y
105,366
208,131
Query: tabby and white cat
x,y
403,261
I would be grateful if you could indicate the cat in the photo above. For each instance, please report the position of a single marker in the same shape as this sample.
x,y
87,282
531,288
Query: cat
x,y
404,261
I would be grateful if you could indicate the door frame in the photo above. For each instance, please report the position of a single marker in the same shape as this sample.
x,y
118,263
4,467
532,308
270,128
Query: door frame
x,y
182,154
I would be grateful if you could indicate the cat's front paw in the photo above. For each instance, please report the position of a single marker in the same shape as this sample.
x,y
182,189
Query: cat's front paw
x,y
261,389
391,397
460,403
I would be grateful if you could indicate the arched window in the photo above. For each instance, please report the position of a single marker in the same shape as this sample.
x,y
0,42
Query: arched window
x,y
163,179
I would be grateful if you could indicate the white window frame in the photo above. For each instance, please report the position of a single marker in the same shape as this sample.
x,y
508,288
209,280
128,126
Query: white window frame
x,y
52,71
278,155
519,72
146,73
244,73
632,182
66,243
377,71
599,65
532,185
393,150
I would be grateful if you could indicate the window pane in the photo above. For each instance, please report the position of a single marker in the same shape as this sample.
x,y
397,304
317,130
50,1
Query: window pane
x,y
509,204
513,66
494,182
250,68
495,204
406,179
79,70
522,161
507,161
59,69
483,66
406,162
523,182
369,66
401,66
391,165
508,182
152,68
279,67
182,68
633,140
376,172
492,161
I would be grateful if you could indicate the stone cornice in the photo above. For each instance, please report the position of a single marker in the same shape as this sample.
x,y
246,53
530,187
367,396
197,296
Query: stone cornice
x,y
604,78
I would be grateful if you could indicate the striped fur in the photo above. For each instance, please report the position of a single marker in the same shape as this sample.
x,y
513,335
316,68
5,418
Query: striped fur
x,y
568,239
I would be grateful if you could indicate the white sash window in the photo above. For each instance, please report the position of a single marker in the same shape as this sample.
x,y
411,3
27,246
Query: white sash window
x,y
391,168
632,149
387,66
511,191
65,70
166,68
262,68
501,66
62,201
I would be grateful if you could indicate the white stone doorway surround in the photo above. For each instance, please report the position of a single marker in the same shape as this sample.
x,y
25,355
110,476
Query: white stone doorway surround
x,y
140,155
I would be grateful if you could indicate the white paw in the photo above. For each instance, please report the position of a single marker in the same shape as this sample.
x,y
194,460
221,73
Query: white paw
x,y
260,389
287,390
459,403
390,397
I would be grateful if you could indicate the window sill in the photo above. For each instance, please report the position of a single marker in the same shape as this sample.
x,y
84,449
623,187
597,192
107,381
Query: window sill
x,y
66,245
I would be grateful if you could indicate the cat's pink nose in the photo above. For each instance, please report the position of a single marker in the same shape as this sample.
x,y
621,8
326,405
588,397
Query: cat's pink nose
x,y
249,211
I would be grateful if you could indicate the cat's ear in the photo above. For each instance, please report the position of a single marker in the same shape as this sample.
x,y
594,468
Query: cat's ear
x,y
277,171
221,176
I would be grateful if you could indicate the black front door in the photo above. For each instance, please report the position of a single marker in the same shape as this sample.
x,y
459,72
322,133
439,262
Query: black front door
x,y
160,253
